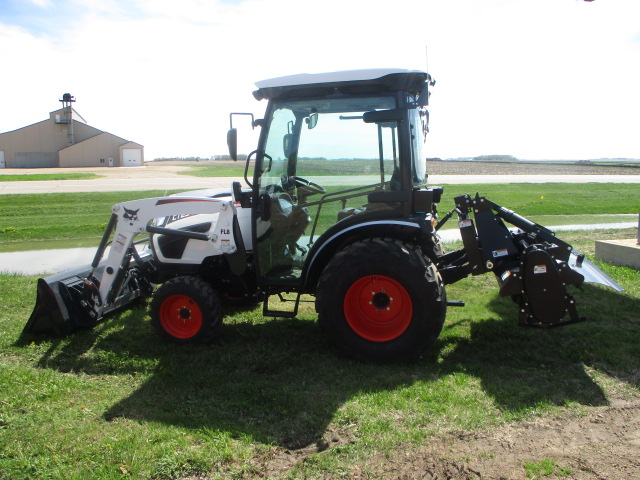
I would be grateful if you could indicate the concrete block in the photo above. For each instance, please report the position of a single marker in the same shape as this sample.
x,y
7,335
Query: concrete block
x,y
619,252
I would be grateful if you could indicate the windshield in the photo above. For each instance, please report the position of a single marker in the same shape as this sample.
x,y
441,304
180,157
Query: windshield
x,y
321,160
329,137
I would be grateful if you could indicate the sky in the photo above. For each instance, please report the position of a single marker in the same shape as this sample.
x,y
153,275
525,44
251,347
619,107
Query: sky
x,y
536,79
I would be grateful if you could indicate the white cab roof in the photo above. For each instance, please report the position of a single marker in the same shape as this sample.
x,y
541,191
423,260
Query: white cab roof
x,y
330,77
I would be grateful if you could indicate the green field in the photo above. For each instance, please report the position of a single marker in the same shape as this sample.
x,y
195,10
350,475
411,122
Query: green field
x,y
115,402
31,221
555,198
71,219
32,177
215,170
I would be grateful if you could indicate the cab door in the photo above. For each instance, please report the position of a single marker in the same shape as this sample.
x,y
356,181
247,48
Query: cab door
x,y
280,222
320,161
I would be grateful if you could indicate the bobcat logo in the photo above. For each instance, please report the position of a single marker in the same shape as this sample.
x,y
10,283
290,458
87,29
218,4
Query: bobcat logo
x,y
130,215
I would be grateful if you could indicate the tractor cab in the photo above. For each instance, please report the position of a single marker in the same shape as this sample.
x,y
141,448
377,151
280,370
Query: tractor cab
x,y
343,150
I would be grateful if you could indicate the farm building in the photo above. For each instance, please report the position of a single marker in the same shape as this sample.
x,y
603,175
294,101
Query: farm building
x,y
65,140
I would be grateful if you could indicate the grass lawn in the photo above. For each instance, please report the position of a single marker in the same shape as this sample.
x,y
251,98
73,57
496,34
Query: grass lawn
x,y
116,402
554,198
34,220
47,176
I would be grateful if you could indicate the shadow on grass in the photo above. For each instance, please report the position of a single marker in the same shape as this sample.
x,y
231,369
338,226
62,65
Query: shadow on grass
x,y
280,382
608,341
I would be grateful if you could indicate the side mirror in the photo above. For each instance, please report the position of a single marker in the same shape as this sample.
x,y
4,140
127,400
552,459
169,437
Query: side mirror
x,y
312,120
232,143
287,144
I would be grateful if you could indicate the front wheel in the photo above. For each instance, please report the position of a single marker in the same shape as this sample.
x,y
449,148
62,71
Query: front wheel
x,y
186,310
381,299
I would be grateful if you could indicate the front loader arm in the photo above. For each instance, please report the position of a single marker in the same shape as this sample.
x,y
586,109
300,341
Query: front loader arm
x,y
82,296
135,217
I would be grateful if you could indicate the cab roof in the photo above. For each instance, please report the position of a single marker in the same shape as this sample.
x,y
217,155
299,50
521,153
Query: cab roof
x,y
379,79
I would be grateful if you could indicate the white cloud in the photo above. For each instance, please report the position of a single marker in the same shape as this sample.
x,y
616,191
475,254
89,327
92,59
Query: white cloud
x,y
551,78
41,3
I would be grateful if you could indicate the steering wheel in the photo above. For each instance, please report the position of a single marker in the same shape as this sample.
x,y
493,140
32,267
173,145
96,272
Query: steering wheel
x,y
311,187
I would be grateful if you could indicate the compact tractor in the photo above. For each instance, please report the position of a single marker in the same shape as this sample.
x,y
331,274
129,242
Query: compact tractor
x,y
338,207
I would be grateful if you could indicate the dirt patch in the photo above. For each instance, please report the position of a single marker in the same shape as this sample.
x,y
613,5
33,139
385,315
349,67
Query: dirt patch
x,y
449,167
172,169
523,168
485,168
603,443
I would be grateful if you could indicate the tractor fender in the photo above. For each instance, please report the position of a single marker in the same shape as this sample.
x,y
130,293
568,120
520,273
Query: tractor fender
x,y
339,236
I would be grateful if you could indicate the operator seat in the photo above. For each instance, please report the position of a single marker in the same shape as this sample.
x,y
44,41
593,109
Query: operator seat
x,y
287,224
394,184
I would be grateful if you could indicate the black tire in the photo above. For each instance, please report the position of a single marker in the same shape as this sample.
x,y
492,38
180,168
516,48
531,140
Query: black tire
x,y
382,300
186,310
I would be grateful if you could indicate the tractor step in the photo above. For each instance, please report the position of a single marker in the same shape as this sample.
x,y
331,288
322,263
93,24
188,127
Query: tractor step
x,y
266,311
455,303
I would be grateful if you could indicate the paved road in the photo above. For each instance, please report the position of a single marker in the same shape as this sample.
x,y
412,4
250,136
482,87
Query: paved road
x,y
114,185
191,183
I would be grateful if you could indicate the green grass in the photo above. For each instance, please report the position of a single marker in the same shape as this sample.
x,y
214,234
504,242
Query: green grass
x,y
35,220
215,171
28,221
545,468
554,198
115,402
47,176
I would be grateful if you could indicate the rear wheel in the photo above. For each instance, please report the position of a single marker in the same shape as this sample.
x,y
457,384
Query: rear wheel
x,y
186,310
381,299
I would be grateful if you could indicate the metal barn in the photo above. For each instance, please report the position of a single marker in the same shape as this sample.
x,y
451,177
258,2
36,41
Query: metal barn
x,y
66,140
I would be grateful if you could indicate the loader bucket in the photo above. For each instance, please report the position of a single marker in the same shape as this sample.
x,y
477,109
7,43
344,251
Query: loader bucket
x,y
55,312
68,301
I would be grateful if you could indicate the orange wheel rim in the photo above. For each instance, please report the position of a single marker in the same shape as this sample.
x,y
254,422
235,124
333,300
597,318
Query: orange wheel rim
x,y
180,316
378,308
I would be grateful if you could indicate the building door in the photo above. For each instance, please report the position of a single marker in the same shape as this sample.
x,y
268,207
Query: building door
x,y
1,159
110,162
131,157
